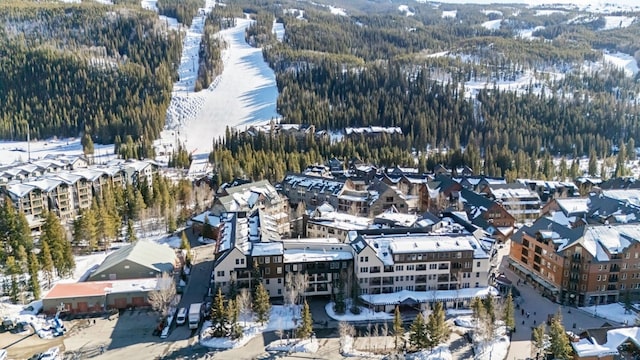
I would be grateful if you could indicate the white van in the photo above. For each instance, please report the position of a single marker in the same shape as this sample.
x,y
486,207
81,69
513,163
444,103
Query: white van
x,y
182,316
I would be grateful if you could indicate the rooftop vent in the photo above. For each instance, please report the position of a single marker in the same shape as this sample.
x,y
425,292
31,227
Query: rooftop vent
x,y
437,243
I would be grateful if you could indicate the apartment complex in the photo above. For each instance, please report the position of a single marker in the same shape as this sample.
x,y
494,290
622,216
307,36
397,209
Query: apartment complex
x,y
67,185
588,265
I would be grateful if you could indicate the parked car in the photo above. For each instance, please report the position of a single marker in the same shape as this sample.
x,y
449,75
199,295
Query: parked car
x,y
181,319
51,354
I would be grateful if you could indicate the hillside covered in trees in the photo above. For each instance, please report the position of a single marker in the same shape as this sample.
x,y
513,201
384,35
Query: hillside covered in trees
x,y
441,80
68,69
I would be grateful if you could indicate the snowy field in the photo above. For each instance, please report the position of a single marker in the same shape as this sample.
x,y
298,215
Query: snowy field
x,y
492,24
622,61
12,151
405,10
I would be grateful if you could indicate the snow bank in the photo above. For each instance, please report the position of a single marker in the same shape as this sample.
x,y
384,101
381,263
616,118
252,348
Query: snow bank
x,y
281,318
348,350
294,345
12,151
365,314
337,11
613,312
439,353
617,22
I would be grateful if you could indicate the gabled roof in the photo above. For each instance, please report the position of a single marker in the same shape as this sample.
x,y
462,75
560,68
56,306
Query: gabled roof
x,y
553,231
314,183
475,203
160,258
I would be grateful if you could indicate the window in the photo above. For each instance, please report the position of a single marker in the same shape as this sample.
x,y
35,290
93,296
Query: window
x,y
477,284
267,259
477,275
279,280
389,198
364,269
237,261
266,281
279,291
279,270
260,260
478,264
624,276
287,268
584,277
411,267
433,266
267,271
277,259
400,268
220,273
126,266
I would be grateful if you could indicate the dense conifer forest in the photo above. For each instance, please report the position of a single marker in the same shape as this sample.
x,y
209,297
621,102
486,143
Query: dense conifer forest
x,y
69,69
374,68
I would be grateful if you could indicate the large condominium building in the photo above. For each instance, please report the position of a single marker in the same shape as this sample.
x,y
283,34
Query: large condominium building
x,y
593,264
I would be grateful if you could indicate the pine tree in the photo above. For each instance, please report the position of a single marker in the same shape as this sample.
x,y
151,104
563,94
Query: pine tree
x,y
219,320
261,304
398,328
207,231
490,308
538,343
508,315
13,270
306,325
186,246
34,281
418,333
131,232
87,144
172,225
560,346
437,330
47,263
68,260
593,163
55,236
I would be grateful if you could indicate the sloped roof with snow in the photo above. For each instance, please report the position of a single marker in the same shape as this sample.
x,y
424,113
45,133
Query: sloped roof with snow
x,y
267,249
314,183
589,347
573,205
314,255
428,296
160,258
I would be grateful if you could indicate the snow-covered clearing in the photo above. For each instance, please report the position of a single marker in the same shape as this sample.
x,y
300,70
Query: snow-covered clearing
x,y
490,12
244,94
281,318
450,14
297,12
278,29
498,348
519,84
617,22
348,350
406,10
528,33
12,151
549,12
623,61
337,11
492,24
149,4
365,314
613,312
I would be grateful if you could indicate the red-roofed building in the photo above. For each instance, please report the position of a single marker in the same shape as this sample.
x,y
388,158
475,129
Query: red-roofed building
x,y
98,296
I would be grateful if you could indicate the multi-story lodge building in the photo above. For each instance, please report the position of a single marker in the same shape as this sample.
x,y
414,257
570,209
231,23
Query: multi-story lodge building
x,y
413,264
591,264
66,186
520,201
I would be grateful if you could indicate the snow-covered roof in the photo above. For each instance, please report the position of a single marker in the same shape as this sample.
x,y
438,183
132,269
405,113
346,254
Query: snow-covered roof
x,y
629,195
509,193
341,221
589,347
305,255
19,190
45,184
267,249
573,205
314,183
399,219
428,296
372,130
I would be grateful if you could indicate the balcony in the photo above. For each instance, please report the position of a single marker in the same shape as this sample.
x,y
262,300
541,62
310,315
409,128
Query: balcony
x,y
576,258
443,267
388,268
374,269
615,268
387,281
387,290
611,287
613,278
421,287
421,279
375,281
421,267
443,278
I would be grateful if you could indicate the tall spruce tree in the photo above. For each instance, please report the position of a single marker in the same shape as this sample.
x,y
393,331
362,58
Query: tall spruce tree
x,y
13,270
418,333
261,304
34,281
508,315
560,347
398,328
186,246
538,343
219,319
306,322
47,263
437,330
